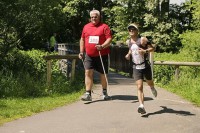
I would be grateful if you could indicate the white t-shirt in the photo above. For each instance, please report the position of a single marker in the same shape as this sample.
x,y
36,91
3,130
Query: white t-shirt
x,y
137,58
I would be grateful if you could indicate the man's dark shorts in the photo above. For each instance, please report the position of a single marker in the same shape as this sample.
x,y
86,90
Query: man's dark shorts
x,y
141,73
95,63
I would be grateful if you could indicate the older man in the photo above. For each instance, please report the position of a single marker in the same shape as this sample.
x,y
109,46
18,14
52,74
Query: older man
x,y
95,41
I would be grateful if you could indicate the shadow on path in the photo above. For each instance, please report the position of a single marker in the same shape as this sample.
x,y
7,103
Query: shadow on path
x,y
129,97
169,110
121,97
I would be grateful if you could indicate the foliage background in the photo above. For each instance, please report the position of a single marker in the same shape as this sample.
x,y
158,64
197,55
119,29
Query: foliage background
x,y
27,25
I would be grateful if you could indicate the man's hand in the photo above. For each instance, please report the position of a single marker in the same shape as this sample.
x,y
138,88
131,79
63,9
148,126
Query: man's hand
x,y
99,47
80,55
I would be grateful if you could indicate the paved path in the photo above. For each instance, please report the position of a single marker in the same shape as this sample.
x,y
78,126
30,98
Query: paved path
x,y
167,113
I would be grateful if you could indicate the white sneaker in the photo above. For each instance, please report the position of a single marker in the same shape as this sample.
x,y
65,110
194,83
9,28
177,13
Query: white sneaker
x,y
141,110
106,97
154,92
86,97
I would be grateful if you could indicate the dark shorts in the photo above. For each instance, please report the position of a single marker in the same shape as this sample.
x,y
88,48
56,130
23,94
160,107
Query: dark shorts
x,y
142,73
95,63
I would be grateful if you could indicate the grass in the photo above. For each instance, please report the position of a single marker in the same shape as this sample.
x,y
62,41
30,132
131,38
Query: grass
x,y
186,88
15,108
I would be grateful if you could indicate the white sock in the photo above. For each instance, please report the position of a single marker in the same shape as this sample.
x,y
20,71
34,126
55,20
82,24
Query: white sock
x,y
141,105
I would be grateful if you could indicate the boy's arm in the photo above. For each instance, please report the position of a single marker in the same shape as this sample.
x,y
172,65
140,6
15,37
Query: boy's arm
x,y
150,48
128,55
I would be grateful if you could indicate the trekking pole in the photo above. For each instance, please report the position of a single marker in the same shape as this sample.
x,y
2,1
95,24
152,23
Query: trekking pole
x,y
103,69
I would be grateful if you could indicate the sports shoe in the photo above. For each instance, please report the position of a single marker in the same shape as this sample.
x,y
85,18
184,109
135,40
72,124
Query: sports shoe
x,y
105,97
141,110
86,97
154,92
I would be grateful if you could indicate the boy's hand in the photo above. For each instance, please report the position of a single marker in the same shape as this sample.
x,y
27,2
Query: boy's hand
x,y
141,51
127,56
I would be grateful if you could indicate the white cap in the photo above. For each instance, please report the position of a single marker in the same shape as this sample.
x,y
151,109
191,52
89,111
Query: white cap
x,y
133,25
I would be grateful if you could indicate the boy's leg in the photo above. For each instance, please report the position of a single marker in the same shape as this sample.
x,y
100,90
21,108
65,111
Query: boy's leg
x,y
148,76
140,96
153,90
140,91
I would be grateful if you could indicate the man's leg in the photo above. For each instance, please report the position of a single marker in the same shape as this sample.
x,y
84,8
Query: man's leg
x,y
104,86
89,79
88,84
103,81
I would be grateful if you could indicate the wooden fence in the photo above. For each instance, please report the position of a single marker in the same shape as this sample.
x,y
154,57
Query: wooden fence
x,y
177,65
117,60
119,63
66,52
48,58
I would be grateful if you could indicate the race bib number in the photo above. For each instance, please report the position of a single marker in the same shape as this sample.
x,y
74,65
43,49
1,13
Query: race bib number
x,y
94,39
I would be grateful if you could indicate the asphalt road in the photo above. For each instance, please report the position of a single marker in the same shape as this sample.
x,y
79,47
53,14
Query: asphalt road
x,y
168,113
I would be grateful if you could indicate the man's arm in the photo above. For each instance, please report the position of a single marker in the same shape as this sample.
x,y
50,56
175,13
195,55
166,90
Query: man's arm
x,y
107,43
82,47
104,45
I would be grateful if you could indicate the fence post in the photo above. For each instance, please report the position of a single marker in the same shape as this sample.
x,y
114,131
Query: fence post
x,y
151,61
48,73
177,71
73,69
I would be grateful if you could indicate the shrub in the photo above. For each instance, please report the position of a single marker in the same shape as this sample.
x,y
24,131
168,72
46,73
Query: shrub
x,y
24,75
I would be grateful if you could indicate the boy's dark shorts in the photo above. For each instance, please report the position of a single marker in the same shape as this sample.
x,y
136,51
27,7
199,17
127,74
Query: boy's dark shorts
x,y
95,63
142,73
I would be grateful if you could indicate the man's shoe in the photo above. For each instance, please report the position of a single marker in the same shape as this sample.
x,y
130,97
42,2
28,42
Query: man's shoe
x,y
86,97
106,97
141,110
154,92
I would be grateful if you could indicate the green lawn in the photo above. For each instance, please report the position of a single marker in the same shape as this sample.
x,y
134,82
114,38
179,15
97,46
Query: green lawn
x,y
11,109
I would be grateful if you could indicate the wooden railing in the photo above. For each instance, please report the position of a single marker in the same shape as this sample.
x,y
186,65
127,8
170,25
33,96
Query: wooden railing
x,y
177,65
119,63
48,58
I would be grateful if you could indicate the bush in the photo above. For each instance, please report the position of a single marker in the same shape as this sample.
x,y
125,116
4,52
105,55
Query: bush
x,y
24,75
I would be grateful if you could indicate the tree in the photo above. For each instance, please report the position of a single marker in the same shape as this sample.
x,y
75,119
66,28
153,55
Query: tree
x,y
190,39
32,21
164,27
121,13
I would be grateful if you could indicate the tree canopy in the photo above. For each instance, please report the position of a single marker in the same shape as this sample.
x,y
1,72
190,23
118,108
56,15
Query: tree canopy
x,y
28,24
